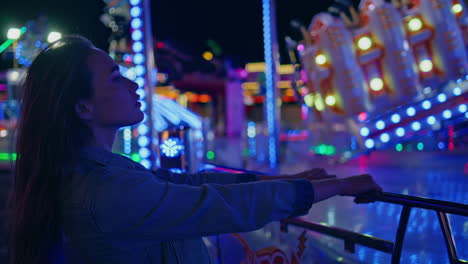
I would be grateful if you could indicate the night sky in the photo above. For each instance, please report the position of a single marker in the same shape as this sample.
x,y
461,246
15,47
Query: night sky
x,y
235,25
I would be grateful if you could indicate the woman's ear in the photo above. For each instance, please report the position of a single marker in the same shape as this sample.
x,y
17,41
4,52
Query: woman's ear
x,y
84,110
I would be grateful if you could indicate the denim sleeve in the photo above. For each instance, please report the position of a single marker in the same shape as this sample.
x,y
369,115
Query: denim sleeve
x,y
197,179
135,204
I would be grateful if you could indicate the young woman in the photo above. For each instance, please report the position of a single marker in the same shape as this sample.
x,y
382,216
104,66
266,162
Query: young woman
x,y
74,201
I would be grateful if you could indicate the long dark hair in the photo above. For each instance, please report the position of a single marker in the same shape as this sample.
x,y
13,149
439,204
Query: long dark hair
x,y
49,135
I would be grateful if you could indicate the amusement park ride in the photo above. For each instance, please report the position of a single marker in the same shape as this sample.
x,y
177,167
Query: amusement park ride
x,y
376,77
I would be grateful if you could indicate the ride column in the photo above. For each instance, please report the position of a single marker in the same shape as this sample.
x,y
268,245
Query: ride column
x,y
144,66
271,105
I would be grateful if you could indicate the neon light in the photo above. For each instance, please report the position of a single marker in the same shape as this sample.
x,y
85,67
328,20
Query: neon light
x,y
172,147
138,58
364,43
399,147
330,100
420,146
146,163
425,65
441,98
143,141
144,153
7,156
415,24
320,59
137,46
135,11
319,105
14,33
369,143
270,105
380,125
207,55
309,100
364,131
395,118
135,2
376,84
53,36
416,126
362,116
400,132
411,111
426,105
456,91
137,35
457,8
140,70
447,114
385,137
210,155
135,157
462,108
431,120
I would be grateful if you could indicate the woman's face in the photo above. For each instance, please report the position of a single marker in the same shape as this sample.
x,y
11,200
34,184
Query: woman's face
x,y
115,102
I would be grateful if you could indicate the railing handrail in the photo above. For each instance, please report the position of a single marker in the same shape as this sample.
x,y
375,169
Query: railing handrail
x,y
418,202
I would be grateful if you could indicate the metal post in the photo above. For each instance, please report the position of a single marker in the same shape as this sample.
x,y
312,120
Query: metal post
x,y
271,107
448,237
400,235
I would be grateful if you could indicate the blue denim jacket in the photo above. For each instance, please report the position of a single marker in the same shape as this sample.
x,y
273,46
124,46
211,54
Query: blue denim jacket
x,y
116,211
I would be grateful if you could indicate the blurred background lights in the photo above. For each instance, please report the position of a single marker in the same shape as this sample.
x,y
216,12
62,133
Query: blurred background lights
x,y
431,120
415,24
447,114
457,91
426,104
441,98
395,118
462,108
320,59
411,111
400,132
425,65
330,100
369,143
385,137
380,125
416,126
376,84
364,131
364,43
53,36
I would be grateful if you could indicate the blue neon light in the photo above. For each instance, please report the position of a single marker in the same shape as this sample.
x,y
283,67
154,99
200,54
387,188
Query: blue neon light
x,y
447,114
140,70
416,126
137,35
135,11
400,132
137,46
380,125
135,2
146,163
172,147
411,111
141,93
395,118
369,143
385,137
426,105
143,141
140,81
142,129
462,108
431,120
441,98
269,82
364,131
144,153
456,91
136,23
138,58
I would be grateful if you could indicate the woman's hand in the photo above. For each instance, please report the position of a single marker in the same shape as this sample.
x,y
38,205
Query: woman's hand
x,y
313,174
359,184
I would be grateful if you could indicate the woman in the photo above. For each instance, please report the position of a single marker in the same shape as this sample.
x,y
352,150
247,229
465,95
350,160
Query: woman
x,y
75,201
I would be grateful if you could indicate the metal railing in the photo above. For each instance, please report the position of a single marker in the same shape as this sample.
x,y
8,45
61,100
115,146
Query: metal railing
x,y
442,208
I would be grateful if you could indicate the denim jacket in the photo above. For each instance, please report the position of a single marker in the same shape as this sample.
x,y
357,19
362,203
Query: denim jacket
x,y
116,211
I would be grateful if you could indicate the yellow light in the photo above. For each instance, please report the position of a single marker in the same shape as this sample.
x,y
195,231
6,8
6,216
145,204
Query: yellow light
x,y
53,36
364,43
415,24
330,100
207,55
250,86
457,8
319,103
255,67
289,92
320,59
309,100
13,33
376,84
286,69
284,84
425,65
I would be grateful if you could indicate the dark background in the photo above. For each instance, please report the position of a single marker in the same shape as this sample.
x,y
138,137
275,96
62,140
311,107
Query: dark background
x,y
235,25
